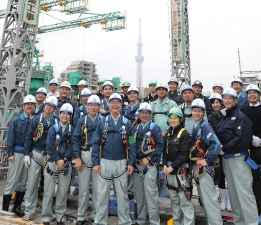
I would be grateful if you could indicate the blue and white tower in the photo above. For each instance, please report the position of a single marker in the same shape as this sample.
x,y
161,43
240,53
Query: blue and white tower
x,y
139,60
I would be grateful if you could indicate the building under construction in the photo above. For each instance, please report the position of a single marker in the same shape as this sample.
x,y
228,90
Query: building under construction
x,y
81,70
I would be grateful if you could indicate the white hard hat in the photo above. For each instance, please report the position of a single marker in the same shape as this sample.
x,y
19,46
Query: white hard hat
x,y
82,82
41,90
237,80
230,92
67,107
198,103
86,91
29,98
53,81
107,83
133,88
66,84
52,101
173,79
145,106
252,87
216,96
162,84
217,85
94,99
115,96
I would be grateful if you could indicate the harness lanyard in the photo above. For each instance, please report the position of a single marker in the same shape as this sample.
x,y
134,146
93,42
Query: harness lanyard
x,y
148,137
84,132
38,132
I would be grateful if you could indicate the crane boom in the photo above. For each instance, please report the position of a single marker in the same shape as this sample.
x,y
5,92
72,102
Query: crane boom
x,y
105,19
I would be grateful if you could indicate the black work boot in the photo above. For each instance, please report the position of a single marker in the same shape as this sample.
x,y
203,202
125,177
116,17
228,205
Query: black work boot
x,y
17,204
6,202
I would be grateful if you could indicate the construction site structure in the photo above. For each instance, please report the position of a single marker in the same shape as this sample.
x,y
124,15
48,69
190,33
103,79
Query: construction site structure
x,y
17,49
249,77
80,70
182,69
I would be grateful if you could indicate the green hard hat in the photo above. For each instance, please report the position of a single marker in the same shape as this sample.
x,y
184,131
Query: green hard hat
x,y
126,84
153,82
176,112
101,80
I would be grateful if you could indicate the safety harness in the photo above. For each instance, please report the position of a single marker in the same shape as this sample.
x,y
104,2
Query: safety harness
x,y
85,131
151,147
58,142
175,141
183,174
146,169
183,178
81,111
148,138
164,113
200,148
135,116
38,132
122,131
184,114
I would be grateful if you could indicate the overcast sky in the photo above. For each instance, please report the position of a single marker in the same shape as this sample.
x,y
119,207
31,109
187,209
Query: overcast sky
x,y
217,29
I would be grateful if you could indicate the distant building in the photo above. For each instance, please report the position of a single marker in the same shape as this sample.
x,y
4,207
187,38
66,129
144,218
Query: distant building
x,y
88,70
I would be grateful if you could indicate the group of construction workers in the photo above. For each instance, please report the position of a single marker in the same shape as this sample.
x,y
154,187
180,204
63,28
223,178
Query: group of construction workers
x,y
122,140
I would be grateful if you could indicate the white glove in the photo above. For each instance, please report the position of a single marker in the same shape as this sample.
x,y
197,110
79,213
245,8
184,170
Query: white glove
x,y
256,141
27,161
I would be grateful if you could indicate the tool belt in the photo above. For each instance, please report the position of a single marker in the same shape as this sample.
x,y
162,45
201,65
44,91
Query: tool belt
x,y
146,169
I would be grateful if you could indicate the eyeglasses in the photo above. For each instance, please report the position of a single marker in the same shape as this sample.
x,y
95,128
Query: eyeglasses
x,y
93,105
115,102
132,93
85,96
48,105
40,94
145,112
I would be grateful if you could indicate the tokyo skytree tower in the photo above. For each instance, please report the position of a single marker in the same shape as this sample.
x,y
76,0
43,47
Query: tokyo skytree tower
x,y
139,59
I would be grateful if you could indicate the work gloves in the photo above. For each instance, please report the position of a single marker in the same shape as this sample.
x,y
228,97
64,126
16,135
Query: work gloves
x,y
256,141
27,161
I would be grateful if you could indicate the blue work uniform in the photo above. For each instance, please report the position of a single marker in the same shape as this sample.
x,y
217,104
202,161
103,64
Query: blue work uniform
x,y
242,99
105,106
36,111
80,112
86,175
17,172
113,166
67,100
131,112
145,184
65,150
37,151
203,132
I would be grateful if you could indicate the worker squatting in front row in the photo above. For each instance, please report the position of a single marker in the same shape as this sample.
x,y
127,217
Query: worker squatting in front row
x,y
116,139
